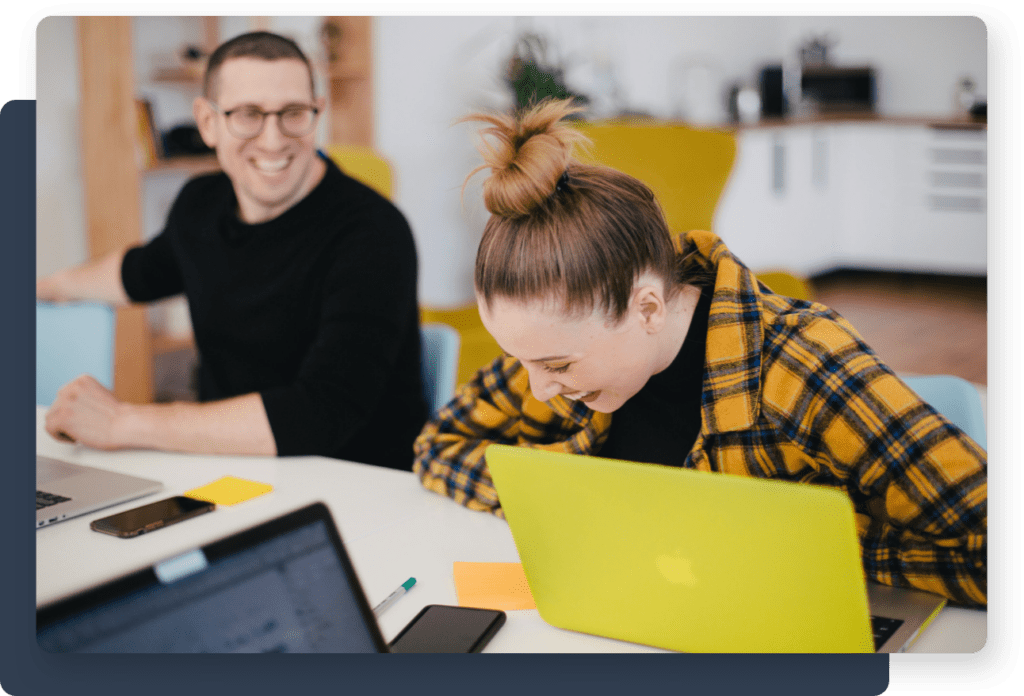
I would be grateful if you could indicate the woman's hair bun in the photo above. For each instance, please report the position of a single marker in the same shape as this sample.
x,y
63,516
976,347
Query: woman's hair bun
x,y
527,154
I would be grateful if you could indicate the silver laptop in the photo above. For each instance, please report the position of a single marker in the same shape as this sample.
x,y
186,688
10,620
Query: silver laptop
x,y
65,490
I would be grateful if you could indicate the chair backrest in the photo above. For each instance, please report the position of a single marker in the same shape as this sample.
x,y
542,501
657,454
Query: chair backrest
x,y
477,348
956,399
686,167
364,164
440,363
786,283
71,340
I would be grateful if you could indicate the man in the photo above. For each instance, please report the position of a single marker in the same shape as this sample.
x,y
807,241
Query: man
x,y
301,285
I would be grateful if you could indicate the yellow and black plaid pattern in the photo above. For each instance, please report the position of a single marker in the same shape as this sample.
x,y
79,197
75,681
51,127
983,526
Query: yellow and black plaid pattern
x,y
790,392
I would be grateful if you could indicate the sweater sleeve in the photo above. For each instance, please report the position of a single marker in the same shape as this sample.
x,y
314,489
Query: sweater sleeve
x,y
918,482
150,272
495,407
368,312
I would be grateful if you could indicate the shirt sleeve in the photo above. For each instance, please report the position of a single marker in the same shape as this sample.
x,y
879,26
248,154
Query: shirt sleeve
x,y
918,483
368,310
495,407
151,272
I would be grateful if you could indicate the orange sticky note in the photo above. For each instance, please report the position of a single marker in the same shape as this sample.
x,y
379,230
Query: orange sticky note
x,y
229,490
492,586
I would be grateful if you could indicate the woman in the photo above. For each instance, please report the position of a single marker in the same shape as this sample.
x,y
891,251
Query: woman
x,y
622,340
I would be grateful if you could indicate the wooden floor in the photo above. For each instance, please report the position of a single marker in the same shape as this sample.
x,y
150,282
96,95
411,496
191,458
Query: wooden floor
x,y
916,323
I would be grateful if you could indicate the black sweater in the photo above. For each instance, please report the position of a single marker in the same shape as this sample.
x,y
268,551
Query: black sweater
x,y
316,310
661,422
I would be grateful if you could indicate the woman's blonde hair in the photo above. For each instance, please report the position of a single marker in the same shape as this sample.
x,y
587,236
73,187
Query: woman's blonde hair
x,y
561,228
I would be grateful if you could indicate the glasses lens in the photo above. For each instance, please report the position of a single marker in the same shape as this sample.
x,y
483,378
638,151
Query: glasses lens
x,y
297,121
245,123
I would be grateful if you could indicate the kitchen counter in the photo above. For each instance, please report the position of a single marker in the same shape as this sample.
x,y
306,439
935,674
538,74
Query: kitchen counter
x,y
956,122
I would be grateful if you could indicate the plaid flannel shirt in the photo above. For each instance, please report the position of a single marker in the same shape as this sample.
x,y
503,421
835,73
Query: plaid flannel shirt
x,y
790,392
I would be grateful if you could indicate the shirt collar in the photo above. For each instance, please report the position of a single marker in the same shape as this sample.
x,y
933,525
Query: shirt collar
x,y
732,376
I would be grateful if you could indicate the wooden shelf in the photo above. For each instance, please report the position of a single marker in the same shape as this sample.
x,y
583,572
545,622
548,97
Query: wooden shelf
x,y
195,164
179,76
170,343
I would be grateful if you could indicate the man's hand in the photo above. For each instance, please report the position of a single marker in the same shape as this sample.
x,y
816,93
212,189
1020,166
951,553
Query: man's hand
x,y
87,412
53,288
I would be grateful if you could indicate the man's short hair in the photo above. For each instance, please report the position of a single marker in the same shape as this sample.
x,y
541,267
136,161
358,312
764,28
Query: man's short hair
x,y
256,44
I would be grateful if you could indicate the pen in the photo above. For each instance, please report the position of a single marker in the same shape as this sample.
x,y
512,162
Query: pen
x,y
394,596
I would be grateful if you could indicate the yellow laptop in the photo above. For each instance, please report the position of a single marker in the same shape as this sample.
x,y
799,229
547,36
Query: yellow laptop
x,y
695,561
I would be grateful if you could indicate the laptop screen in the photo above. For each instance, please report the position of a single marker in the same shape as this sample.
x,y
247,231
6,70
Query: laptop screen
x,y
265,590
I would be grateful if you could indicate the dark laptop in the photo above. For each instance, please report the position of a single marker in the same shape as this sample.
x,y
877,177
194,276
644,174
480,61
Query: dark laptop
x,y
286,585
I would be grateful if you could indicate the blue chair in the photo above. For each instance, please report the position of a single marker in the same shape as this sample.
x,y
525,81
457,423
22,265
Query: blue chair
x,y
71,340
440,363
954,398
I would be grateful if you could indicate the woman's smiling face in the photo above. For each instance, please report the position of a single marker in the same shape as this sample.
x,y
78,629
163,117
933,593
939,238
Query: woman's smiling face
x,y
601,363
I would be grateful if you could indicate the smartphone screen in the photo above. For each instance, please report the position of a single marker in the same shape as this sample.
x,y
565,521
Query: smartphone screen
x,y
446,629
146,518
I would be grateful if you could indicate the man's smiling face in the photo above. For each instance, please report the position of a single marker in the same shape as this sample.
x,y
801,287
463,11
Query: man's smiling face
x,y
270,172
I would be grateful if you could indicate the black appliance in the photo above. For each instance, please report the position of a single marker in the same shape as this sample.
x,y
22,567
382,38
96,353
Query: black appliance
x,y
834,89
773,99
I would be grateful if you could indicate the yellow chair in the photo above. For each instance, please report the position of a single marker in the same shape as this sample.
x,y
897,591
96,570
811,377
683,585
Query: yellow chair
x,y
686,167
363,164
785,283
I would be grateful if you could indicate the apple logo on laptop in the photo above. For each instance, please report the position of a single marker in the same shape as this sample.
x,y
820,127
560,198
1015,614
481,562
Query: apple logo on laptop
x,y
676,568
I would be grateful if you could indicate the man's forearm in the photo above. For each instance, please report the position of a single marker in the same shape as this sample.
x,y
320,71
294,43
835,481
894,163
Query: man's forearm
x,y
233,426
98,280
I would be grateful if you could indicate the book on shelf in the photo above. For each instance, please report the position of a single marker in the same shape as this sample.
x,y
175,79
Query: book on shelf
x,y
150,146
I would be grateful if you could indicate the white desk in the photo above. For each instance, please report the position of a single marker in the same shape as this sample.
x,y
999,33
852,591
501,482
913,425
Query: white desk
x,y
392,527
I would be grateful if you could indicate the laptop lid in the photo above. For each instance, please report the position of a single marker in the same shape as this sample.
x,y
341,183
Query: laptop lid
x,y
286,585
684,559
65,490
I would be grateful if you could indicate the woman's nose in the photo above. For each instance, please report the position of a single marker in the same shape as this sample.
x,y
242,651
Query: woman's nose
x,y
543,385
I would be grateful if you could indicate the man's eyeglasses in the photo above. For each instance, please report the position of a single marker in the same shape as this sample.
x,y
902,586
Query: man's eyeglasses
x,y
247,122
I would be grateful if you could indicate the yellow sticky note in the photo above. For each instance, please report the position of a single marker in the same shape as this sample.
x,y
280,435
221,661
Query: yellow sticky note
x,y
492,586
229,490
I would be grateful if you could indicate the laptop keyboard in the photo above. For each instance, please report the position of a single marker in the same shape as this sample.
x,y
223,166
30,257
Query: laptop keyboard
x,y
882,628
44,499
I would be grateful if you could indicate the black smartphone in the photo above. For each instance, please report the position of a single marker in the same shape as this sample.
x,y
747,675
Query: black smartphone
x,y
445,629
146,518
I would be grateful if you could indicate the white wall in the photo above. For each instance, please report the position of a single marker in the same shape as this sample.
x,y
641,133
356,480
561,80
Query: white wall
x,y
429,71
60,211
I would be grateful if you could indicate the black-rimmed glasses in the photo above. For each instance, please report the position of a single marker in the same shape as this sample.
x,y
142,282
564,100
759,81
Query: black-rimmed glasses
x,y
246,122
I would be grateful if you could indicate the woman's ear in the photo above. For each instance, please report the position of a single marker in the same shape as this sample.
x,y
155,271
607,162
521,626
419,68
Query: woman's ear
x,y
649,307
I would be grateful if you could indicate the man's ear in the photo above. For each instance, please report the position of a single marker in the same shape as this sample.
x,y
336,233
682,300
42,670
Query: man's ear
x,y
205,115
649,304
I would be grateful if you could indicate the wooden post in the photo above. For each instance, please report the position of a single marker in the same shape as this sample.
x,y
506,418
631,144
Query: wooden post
x,y
111,178
350,79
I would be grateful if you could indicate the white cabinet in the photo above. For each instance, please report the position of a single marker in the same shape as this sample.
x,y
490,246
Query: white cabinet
x,y
776,208
943,200
811,198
